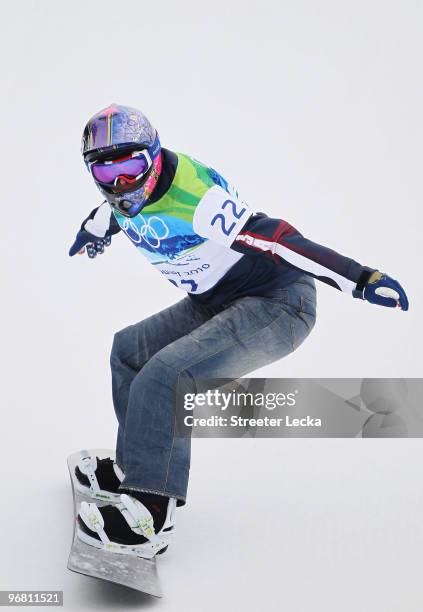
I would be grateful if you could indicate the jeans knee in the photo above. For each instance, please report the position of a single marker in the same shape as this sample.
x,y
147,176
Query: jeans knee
x,y
167,374
120,345
157,370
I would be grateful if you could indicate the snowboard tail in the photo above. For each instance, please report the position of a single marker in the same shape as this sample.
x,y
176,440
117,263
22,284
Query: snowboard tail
x,y
126,570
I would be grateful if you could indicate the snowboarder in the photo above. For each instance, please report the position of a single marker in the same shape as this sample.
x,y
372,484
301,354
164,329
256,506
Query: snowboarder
x,y
251,301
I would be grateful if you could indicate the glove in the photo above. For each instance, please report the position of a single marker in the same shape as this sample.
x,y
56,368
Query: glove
x,y
94,245
96,232
383,290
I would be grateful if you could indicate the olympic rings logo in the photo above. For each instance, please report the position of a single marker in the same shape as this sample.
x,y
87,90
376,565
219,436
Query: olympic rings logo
x,y
152,231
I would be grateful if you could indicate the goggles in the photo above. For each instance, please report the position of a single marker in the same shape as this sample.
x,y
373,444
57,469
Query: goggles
x,y
122,174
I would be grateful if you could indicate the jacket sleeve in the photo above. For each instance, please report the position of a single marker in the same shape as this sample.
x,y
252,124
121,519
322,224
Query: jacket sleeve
x,y
279,239
101,222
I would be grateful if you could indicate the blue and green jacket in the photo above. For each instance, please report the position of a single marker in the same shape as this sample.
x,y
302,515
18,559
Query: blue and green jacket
x,y
205,240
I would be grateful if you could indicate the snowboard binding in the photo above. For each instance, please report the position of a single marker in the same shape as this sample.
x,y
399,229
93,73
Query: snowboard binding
x,y
125,528
98,478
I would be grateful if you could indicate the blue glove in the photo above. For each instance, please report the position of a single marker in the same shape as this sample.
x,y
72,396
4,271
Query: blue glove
x,y
383,290
93,244
96,232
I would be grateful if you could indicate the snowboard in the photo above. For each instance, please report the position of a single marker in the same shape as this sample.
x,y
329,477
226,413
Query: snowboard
x,y
126,570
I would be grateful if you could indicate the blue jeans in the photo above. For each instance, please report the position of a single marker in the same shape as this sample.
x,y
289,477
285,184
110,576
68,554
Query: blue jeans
x,y
183,343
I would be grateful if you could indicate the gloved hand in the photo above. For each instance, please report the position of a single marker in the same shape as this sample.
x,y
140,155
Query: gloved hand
x,y
383,290
85,241
96,232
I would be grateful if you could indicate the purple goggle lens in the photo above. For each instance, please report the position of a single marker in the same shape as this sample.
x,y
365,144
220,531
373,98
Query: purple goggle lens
x,y
122,171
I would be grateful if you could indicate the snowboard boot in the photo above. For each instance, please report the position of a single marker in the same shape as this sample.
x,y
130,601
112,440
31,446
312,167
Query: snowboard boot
x,y
128,527
98,478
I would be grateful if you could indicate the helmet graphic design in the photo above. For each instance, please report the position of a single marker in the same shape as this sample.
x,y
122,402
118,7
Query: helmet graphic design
x,y
123,154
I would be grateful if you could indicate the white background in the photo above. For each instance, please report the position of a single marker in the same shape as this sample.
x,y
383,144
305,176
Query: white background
x,y
313,109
